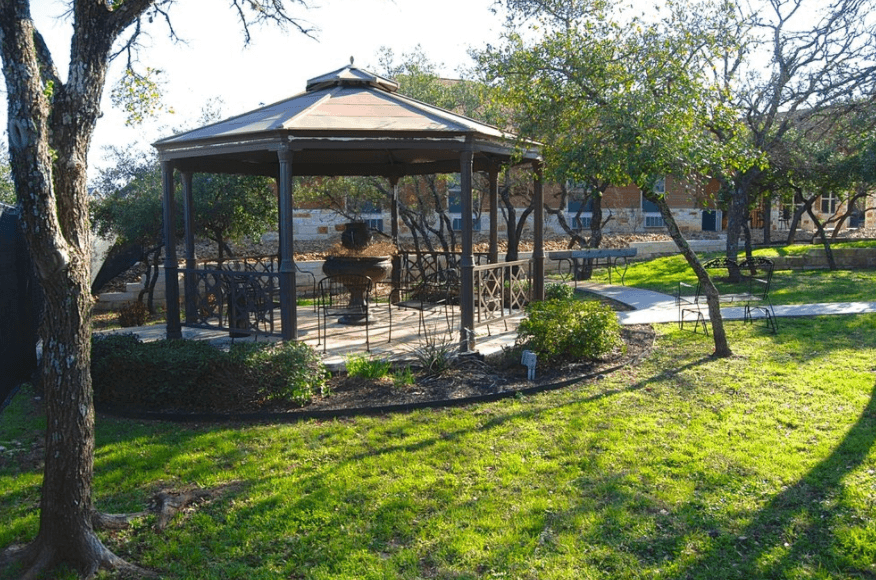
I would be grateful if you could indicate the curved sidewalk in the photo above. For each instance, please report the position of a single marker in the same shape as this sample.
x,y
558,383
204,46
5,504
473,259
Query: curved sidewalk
x,y
654,307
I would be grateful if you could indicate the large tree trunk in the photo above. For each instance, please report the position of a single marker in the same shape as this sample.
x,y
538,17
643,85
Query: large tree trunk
x,y
736,217
825,239
50,126
767,219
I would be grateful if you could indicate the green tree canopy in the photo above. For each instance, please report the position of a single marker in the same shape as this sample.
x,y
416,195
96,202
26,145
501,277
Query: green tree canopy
x,y
127,199
229,207
619,100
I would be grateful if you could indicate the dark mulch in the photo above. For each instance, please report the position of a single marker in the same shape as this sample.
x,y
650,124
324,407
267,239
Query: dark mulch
x,y
473,378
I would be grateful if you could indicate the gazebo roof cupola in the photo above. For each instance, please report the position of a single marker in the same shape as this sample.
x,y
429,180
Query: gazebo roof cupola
x,y
350,76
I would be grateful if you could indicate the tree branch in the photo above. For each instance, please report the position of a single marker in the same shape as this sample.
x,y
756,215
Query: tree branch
x,y
255,12
47,66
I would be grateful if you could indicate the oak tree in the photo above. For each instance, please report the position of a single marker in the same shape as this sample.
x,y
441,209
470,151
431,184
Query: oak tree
x,y
620,100
799,64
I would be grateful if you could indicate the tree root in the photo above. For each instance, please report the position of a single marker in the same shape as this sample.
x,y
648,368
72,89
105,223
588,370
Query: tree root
x,y
38,557
167,505
164,504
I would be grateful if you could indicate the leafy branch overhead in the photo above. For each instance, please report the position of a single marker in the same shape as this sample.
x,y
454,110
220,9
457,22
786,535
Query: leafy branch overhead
x,y
139,95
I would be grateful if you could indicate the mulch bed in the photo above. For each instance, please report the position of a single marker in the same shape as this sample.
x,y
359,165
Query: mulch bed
x,y
471,378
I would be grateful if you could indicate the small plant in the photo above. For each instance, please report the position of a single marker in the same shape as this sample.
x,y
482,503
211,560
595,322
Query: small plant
x,y
582,330
284,371
133,314
435,356
404,377
367,367
558,292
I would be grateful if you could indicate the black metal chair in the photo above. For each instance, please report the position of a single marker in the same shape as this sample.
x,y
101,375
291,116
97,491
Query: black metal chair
x,y
758,271
347,296
299,273
690,305
250,304
747,282
437,290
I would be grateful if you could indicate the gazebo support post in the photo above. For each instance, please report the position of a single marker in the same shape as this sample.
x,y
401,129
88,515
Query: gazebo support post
x,y
538,231
288,290
494,214
171,268
393,230
466,261
188,275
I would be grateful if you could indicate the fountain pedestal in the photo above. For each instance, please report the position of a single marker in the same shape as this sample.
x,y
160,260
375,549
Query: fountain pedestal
x,y
374,267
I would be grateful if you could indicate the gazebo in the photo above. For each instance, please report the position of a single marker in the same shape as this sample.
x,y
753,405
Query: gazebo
x,y
348,122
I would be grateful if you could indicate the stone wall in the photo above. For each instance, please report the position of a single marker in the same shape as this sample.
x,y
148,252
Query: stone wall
x,y
816,259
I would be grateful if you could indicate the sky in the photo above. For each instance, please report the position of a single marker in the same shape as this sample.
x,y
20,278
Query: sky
x,y
214,63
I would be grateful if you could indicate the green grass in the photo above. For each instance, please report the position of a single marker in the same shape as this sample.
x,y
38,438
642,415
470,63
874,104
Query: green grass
x,y
757,466
788,286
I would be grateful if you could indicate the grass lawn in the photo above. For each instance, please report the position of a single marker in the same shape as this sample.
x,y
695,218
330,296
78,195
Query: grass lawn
x,y
757,466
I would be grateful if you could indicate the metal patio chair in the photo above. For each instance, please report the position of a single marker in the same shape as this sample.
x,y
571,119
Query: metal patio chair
x,y
348,297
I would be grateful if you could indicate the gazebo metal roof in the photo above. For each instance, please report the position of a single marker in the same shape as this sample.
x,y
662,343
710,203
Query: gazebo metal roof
x,y
347,122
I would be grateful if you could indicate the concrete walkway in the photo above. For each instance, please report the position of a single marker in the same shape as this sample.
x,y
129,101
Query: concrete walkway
x,y
654,307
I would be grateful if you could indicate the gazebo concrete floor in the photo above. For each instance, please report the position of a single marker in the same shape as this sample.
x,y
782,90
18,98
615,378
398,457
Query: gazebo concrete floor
x,y
345,340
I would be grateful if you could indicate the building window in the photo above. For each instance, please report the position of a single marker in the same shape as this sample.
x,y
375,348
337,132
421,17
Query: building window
x,y
660,186
454,206
581,222
363,206
374,223
651,211
368,211
454,201
829,203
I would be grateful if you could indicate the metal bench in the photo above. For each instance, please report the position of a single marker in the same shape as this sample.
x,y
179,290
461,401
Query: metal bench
x,y
610,258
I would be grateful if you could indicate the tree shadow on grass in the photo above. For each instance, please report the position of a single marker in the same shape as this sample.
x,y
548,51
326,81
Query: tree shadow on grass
x,y
798,521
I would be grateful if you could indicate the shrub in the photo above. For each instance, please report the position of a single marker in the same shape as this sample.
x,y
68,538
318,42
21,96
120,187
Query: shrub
x,y
581,330
193,375
558,292
284,371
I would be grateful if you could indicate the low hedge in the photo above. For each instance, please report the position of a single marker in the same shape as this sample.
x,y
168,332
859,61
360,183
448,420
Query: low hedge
x,y
193,375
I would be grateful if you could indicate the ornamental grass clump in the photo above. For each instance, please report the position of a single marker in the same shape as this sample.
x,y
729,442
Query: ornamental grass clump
x,y
368,368
567,328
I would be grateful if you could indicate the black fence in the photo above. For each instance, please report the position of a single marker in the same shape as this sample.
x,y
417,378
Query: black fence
x,y
19,306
